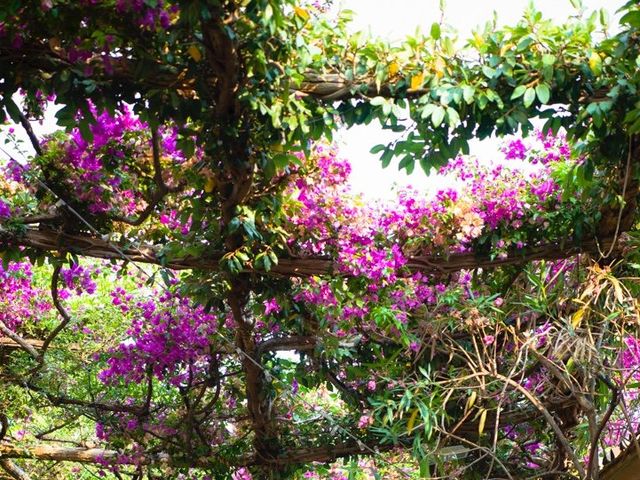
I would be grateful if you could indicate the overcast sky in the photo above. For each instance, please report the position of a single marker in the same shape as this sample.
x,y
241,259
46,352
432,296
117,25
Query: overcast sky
x,y
394,20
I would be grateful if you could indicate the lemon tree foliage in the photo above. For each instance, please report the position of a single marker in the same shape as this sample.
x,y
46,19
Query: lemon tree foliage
x,y
191,290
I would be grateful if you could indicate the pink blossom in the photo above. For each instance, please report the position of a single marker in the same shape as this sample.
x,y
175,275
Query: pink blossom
x,y
271,306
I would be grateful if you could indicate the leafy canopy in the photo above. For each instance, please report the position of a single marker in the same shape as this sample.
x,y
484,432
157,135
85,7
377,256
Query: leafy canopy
x,y
286,328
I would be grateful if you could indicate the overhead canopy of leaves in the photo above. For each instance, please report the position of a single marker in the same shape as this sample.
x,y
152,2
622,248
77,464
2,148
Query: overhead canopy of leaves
x,y
197,139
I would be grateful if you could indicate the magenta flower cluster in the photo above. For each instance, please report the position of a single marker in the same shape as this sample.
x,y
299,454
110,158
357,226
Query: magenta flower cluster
x,y
21,301
79,279
5,211
109,173
168,335
502,203
487,198
95,172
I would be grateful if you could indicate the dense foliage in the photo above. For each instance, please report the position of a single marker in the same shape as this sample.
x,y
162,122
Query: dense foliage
x,y
191,290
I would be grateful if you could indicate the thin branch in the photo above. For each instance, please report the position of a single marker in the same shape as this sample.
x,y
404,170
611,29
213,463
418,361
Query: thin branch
x,y
613,403
4,425
57,400
66,318
13,470
24,344
24,121
99,456
149,396
550,420
41,435
33,219
161,188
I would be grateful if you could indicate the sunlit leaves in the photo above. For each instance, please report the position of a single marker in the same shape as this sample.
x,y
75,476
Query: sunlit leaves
x,y
543,93
529,96
437,115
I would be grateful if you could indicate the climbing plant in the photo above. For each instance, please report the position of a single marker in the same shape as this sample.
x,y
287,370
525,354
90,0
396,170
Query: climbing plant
x,y
191,290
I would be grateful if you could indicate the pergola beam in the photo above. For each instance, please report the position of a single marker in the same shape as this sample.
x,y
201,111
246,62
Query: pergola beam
x,y
45,240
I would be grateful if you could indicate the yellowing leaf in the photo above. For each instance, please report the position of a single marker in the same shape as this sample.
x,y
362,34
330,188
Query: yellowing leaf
x,y
412,420
210,185
393,68
505,48
576,320
301,12
478,41
439,67
595,63
416,81
483,420
470,401
617,289
194,52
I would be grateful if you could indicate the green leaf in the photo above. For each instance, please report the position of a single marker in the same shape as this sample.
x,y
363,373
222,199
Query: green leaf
x,y
266,263
437,116
488,71
424,468
435,31
425,164
518,91
12,109
548,59
468,93
85,131
453,118
524,44
543,93
595,63
529,96
385,159
631,18
408,163
427,110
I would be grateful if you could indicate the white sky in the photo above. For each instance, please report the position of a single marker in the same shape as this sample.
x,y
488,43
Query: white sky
x,y
394,20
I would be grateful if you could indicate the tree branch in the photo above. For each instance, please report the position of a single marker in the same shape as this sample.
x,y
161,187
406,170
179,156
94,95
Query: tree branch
x,y
297,342
24,344
66,318
10,344
24,121
13,470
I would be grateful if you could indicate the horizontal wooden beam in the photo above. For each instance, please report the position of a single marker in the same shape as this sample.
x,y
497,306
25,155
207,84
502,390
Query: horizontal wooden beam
x,y
100,456
91,246
38,57
7,343
626,466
